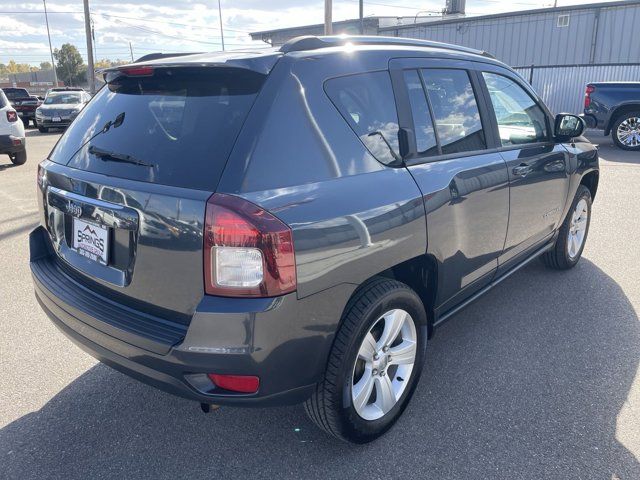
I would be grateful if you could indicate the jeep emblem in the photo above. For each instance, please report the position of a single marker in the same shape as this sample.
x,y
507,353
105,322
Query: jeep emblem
x,y
74,209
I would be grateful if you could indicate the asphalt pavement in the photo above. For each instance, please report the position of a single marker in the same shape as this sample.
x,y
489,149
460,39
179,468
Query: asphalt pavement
x,y
537,379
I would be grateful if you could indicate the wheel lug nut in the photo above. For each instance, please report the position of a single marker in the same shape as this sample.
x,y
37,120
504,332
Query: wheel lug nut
x,y
385,349
382,373
376,356
374,372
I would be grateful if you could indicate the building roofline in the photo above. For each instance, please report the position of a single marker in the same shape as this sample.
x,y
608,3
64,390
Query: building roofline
x,y
519,13
320,25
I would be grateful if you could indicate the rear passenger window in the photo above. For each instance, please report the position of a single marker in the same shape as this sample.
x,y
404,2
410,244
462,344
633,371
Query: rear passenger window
x,y
520,119
455,110
423,126
367,104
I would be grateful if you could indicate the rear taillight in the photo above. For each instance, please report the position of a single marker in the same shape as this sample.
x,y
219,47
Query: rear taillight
x,y
247,251
587,95
40,177
12,116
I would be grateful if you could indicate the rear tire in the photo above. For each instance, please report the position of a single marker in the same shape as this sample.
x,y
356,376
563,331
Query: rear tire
x,y
19,158
381,308
567,250
625,131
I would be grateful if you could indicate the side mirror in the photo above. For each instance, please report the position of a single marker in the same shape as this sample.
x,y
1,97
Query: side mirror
x,y
568,126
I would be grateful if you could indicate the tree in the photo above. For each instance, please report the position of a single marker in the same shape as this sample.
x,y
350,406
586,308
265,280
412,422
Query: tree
x,y
70,67
13,67
106,63
45,65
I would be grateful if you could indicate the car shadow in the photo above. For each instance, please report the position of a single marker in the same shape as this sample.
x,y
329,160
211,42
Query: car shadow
x,y
7,166
37,133
528,382
609,151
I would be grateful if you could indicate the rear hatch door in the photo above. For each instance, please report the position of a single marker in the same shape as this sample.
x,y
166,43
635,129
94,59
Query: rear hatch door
x,y
126,186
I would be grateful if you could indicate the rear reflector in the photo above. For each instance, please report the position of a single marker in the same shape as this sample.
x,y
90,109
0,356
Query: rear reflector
x,y
236,383
12,116
247,251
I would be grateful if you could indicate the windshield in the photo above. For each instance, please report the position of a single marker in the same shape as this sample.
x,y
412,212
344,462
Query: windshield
x,y
179,122
62,98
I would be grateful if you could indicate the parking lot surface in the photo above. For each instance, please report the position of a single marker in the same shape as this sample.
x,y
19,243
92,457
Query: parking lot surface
x,y
538,379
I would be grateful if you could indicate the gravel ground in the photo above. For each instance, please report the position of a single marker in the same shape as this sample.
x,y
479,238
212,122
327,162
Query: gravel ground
x,y
537,379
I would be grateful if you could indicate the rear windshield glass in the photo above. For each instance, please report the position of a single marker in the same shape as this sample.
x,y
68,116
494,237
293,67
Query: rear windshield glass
x,y
174,127
13,93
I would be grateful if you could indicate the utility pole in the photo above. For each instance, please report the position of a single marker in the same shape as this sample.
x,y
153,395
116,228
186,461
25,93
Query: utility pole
x,y
328,28
131,50
93,37
221,31
91,74
361,17
53,63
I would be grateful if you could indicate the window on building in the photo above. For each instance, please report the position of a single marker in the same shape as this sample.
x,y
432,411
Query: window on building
x,y
367,104
455,110
520,118
422,123
563,20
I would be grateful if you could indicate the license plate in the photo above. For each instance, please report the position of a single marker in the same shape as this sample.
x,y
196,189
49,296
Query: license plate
x,y
56,119
91,241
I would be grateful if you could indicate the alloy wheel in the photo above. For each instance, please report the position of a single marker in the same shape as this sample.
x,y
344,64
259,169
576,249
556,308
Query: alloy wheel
x,y
628,132
577,228
384,364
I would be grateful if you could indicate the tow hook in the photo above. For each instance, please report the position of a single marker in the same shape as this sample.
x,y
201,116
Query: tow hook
x,y
208,407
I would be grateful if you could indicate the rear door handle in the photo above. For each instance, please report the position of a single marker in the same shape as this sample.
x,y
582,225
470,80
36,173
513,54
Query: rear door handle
x,y
521,170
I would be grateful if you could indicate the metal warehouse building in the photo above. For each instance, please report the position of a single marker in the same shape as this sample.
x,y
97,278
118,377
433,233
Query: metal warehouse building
x,y
558,50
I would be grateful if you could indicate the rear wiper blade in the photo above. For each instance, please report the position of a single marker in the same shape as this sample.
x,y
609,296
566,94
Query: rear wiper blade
x,y
109,156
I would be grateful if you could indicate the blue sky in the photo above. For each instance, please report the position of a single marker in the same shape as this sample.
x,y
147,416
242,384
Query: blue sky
x,y
186,25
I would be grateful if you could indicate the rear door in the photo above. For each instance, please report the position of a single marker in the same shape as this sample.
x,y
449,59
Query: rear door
x,y
538,168
127,184
463,179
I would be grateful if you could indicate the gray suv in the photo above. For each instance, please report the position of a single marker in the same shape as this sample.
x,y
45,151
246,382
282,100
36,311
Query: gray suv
x,y
291,225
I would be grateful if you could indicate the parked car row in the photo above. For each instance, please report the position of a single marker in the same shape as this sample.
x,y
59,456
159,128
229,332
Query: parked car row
x,y
57,110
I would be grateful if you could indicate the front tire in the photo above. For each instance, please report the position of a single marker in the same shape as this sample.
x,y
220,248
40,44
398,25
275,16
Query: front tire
x,y
625,131
567,250
374,364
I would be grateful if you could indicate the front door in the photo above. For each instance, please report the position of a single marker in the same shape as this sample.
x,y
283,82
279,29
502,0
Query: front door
x,y
538,177
463,182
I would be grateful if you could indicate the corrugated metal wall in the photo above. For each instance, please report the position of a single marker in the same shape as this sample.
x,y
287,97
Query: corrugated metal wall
x,y
562,88
535,38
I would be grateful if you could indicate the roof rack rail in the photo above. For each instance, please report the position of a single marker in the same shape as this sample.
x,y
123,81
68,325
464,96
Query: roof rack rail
x,y
312,42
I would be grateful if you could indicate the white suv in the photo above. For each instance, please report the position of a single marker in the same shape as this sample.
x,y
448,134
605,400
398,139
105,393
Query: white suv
x,y
12,140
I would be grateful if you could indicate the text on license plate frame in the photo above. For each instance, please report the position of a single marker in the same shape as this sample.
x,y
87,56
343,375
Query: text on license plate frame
x,y
91,241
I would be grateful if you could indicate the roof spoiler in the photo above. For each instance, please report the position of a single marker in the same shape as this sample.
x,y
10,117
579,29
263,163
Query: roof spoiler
x,y
312,42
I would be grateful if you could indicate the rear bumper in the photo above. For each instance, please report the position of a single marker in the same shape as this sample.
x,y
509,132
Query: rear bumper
x,y
11,144
272,338
47,123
